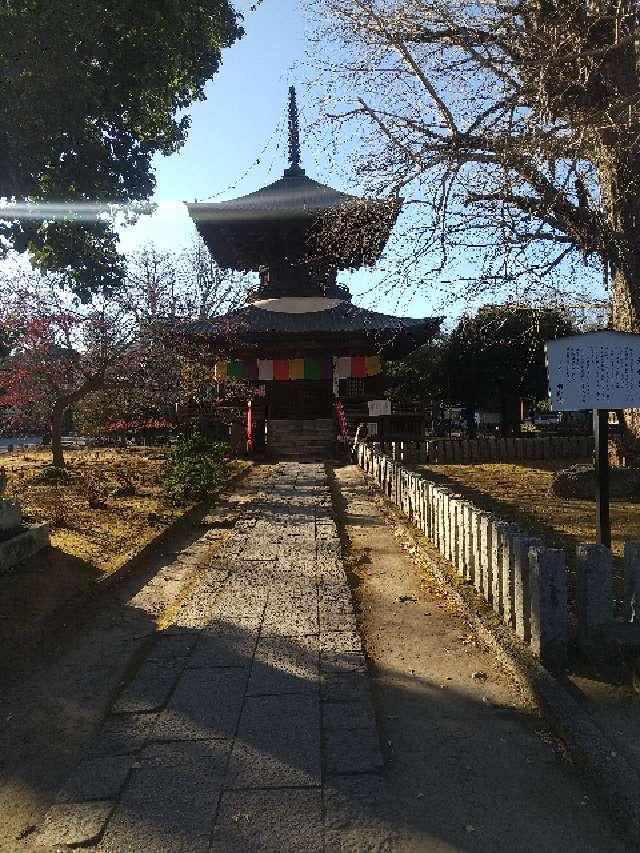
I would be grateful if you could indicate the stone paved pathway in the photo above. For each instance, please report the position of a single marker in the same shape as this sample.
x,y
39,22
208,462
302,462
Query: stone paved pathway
x,y
248,726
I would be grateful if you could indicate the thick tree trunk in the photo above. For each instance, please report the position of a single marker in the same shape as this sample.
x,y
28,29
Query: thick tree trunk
x,y
57,425
620,181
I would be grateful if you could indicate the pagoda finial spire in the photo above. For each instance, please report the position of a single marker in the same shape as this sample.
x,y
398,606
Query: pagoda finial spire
x,y
294,130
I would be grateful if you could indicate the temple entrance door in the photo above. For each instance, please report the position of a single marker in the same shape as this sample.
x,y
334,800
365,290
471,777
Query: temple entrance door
x,y
300,399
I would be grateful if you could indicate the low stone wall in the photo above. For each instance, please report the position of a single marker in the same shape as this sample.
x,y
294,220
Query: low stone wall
x,y
492,449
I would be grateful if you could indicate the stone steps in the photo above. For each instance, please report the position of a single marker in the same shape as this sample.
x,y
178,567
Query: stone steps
x,y
300,439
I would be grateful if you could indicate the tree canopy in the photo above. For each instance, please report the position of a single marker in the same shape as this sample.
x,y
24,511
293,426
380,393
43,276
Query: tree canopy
x,y
88,94
496,357
488,361
114,356
513,124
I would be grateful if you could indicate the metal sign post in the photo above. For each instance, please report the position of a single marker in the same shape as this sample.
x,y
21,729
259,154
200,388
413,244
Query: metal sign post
x,y
601,437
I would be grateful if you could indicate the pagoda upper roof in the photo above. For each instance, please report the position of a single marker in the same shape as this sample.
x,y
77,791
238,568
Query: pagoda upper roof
x,y
296,222
294,194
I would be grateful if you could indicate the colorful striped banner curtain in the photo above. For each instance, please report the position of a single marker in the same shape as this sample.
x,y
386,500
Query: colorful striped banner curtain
x,y
286,369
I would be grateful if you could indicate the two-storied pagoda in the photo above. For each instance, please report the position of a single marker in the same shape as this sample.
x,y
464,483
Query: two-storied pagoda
x,y
299,340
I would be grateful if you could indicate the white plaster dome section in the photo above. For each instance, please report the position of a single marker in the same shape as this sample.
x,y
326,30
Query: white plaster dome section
x,y
297,304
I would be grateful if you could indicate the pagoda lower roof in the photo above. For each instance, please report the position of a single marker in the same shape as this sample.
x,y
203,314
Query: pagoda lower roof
x,y
340,322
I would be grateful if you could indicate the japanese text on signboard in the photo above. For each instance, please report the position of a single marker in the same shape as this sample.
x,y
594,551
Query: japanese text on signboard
x,y
599,370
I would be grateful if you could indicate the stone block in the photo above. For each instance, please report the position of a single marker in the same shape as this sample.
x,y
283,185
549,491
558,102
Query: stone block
x,y
29,541
507,573
521,600
123,735
632,582
446,524
188,756
96,778
285,665
223,645
10,516
521,593
423,505
460,534
341,662
477,549
485,521
205,704
468,540
358,817
352,715
430,511
277,744
594,588
549,613
499,530
345,687
352,751
340,641
149,689
437,515
167,808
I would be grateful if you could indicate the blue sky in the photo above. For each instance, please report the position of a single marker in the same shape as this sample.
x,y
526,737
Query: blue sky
x,y
243,121
237,143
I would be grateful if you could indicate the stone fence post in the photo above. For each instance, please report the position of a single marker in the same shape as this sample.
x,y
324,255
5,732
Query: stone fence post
x,y
549,615
594,589
507,588
498,534
632,581
485,553
521,617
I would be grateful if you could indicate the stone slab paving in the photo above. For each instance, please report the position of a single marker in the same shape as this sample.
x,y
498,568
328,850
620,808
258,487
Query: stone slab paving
x,y
248,724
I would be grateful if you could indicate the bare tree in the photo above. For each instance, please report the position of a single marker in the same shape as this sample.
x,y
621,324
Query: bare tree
x,y
512,125
188,285
207,288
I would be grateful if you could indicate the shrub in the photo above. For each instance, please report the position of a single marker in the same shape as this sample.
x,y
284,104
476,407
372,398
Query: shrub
x,y
52,474
194,467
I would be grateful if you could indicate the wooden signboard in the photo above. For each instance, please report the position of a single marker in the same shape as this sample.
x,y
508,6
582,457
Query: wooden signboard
x,y
598,371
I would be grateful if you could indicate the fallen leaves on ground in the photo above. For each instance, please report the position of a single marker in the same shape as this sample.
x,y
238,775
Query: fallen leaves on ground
x,y
111,505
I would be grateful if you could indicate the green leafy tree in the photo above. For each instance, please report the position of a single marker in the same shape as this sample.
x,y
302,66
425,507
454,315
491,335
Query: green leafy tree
x,y
89,93
496,358
419,376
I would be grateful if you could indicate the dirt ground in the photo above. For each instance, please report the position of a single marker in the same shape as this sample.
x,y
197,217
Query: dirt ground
x,y
110,508
470,765
111,505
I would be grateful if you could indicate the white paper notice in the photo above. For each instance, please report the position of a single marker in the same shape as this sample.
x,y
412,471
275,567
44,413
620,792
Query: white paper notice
x,y
379,407
599,370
